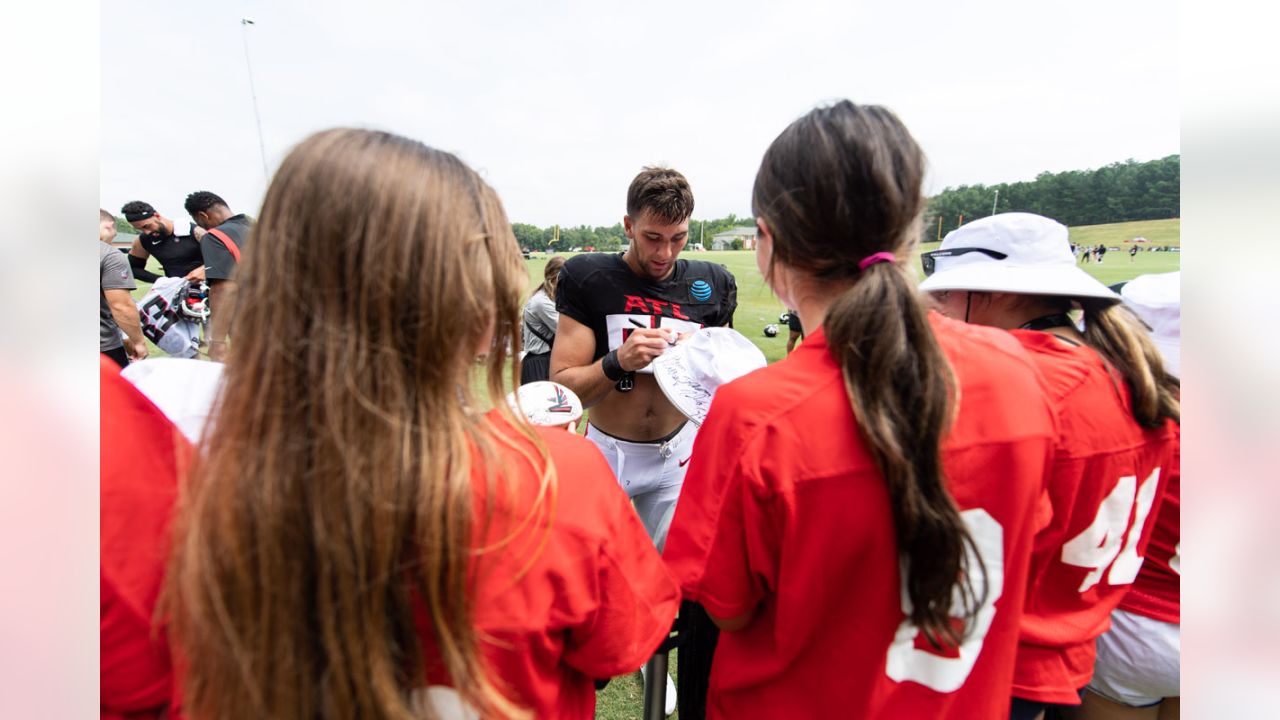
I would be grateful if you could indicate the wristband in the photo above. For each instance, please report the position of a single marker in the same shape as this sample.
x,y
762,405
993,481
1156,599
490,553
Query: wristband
x,y
612,368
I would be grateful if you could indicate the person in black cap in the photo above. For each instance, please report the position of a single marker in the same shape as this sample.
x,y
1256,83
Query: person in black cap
x,y
179,255
222,237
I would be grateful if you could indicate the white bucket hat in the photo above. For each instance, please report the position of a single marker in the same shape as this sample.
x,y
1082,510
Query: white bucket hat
x,y
1011,252
1157,300
548,404
690,372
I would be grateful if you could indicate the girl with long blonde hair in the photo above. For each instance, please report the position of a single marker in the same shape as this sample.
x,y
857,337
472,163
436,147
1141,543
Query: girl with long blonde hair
x,y
359,537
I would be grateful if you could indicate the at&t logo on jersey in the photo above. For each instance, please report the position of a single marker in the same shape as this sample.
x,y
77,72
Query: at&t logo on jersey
x,y
700,290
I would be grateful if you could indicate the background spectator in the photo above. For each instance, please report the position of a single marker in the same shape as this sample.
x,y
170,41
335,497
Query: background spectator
x,y
221,244
117,311
539,327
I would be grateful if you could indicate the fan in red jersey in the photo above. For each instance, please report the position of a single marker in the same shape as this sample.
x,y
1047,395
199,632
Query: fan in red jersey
x,y
1139,659
1118,412
358,537
141,455
858,518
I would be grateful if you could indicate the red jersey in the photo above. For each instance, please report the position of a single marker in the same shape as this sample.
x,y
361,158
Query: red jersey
x,y
140,454
1108,476
1157,591
784,511
595,602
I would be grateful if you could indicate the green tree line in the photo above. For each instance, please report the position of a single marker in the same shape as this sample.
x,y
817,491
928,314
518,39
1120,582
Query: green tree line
x,y
602,238
1119,192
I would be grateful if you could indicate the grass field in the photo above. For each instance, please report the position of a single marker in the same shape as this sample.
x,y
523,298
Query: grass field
x,y
1159,232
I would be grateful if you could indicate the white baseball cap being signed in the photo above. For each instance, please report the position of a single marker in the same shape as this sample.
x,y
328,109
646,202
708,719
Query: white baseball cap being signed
x,y
690,372
1014,252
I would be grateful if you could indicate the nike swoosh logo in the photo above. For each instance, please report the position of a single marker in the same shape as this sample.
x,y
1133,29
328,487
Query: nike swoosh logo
x,y
685,461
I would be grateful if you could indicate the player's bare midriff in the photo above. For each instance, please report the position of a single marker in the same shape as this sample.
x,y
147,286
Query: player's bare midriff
x,y
641,415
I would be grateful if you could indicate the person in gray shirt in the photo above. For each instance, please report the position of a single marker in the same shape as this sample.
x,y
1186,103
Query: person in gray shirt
x,y
117,311
540,320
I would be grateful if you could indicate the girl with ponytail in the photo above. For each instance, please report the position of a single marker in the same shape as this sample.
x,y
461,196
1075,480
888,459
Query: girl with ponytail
x,y
858,517
1118,412
359,537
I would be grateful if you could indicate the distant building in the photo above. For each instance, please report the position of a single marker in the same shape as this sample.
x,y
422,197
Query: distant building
x,y
724,240
124,241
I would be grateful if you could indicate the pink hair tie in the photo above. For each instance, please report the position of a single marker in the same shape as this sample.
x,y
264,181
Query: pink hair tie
x,y
879,257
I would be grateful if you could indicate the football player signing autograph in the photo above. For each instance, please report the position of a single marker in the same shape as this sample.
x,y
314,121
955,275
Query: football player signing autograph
x,y
620,311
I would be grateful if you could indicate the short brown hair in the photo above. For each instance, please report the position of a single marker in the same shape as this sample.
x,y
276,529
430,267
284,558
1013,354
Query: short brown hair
x,y
104,216
663,192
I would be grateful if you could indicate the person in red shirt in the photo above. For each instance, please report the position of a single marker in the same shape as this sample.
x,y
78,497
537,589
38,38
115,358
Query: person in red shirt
x,y
1137,675
858,518
1117,410
141,456
360,536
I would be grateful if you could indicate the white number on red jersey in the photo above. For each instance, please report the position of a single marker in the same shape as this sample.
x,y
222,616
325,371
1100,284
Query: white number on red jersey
x,y
943,674
1099,545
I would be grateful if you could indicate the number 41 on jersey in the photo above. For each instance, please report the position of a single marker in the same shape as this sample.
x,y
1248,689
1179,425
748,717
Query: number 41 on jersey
x,y
1099,546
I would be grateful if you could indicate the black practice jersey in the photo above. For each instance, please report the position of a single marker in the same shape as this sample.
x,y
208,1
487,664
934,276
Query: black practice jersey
x,y
178,254
219,262
601,292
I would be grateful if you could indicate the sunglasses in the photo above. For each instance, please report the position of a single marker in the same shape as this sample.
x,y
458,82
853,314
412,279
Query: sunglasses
x,y
929,259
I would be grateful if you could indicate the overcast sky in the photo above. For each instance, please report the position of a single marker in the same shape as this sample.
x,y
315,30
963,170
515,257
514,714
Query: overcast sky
x,y
559,104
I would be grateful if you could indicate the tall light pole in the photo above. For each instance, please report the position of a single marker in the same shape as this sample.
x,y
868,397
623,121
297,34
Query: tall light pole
x,y
993,202
262,147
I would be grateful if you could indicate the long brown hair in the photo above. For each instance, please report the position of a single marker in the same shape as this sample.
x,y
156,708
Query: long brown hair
x,y
1120,337
839,185
334,489
551,275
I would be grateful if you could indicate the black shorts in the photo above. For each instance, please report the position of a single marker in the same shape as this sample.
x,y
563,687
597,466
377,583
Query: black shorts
x,y
535,367
1030,709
